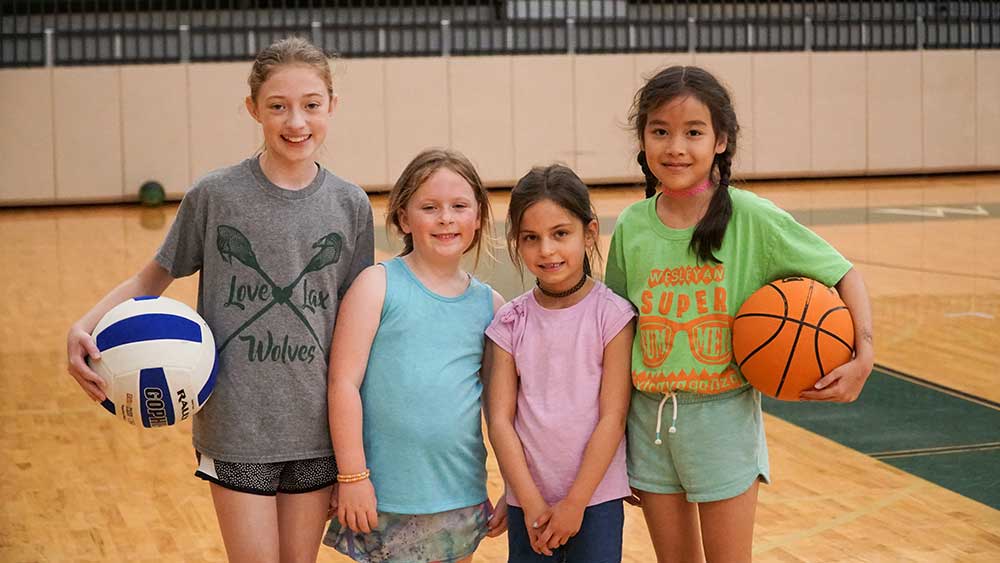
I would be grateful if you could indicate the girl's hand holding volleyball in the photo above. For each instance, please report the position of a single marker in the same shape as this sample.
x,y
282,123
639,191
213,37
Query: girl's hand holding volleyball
x,y
842,385
79,345
560,523
356,506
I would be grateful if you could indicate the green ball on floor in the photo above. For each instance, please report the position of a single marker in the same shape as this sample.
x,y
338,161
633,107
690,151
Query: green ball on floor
x,y
152,194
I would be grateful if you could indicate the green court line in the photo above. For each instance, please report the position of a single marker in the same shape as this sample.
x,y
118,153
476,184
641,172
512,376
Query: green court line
x,y
916,425
942,388
937,451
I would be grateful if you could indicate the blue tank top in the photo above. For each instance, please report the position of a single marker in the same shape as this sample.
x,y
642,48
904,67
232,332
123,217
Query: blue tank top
x,y
422,396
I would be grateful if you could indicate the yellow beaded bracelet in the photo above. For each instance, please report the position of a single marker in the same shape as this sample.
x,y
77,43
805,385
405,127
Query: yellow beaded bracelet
x,y
354,477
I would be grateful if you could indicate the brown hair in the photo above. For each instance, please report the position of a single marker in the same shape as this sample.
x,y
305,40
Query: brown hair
x,y
675,82
560,185
289,51
417,172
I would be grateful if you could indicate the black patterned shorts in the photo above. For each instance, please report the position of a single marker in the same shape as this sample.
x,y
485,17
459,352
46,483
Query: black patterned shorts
x,y
288,477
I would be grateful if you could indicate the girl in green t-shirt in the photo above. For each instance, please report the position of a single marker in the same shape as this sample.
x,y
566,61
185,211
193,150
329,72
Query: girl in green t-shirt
x,y
687,257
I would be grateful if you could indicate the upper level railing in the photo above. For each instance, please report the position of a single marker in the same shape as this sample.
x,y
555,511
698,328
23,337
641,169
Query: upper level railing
x,y
93,32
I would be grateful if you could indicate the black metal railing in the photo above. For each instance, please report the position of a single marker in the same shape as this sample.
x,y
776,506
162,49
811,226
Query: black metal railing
x,y
89,32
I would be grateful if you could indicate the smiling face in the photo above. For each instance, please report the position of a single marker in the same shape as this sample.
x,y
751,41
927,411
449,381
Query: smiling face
x,y
293,108
552,243
442,216
680,143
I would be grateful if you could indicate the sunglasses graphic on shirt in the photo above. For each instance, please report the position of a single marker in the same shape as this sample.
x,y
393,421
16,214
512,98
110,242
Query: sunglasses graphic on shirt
x,y
709,338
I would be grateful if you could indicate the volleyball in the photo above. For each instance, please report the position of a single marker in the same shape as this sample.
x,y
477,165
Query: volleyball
x,y
790,333
158,359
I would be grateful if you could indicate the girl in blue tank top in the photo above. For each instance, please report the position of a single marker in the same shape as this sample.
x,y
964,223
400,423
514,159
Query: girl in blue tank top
x,y
404,389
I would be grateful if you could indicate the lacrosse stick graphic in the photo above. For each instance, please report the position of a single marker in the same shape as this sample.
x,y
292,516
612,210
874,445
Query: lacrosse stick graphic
x,y
234,244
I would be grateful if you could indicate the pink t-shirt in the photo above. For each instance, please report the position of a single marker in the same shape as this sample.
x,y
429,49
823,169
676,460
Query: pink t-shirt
x,y
559,354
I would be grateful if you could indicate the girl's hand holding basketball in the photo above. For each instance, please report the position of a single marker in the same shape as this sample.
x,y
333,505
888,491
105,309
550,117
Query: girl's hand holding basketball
x,y
79,345
842,385
356,506
560,523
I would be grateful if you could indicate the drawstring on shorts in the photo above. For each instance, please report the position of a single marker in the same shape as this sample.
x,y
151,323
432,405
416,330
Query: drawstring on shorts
x,y
659,416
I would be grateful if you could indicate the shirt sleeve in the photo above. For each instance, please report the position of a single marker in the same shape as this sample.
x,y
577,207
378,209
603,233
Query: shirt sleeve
x,y
364,246
615,276
183,250
501,330
798,251
617,313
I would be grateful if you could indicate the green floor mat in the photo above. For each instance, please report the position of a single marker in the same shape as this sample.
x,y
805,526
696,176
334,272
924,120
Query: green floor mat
x,y
928,431
975,474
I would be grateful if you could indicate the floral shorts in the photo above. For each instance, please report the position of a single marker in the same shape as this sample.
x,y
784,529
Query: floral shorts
x,y
443,537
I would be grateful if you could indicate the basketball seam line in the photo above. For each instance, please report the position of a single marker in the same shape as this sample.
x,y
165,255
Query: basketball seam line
x,y
809,325
795,343
819,358
781,327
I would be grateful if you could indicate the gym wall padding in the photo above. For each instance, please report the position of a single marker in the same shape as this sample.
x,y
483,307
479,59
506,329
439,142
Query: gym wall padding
x,y
90,134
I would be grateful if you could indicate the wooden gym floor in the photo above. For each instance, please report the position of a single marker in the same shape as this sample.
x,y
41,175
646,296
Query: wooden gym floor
x,y
78,485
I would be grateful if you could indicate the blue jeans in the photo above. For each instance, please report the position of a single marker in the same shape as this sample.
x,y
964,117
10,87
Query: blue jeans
x,y
598,541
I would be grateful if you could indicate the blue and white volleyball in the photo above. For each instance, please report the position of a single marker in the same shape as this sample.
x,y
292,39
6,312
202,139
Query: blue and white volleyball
x,y
158,358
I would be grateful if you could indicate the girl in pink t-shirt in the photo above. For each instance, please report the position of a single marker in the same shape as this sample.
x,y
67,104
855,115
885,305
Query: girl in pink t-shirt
x,y
559,386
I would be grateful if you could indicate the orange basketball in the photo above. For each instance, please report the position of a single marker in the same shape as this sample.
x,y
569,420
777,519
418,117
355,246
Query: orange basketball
x,y
790,333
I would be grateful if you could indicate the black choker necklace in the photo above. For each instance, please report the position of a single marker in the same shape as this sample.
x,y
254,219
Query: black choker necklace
x,y
560,294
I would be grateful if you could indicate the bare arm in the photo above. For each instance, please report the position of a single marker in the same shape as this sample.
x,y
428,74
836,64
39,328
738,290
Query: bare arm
x,y
152,279
844,384
616,392
501,400
497,524
357,323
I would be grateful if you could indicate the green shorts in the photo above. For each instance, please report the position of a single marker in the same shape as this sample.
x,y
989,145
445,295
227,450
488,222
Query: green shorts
x,y
716,453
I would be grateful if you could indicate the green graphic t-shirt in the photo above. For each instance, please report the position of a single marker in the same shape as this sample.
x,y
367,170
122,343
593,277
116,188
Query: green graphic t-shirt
x,y
274,264
683,340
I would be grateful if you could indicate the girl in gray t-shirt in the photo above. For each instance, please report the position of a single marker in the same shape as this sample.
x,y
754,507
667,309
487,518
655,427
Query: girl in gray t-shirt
x,y
278,239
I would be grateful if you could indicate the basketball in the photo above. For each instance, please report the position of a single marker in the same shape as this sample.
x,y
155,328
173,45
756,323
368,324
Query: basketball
x,y
158,359
790,333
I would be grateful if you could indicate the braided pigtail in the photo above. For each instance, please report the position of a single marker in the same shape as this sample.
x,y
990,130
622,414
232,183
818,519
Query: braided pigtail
x,y
651,180
724,162
708,235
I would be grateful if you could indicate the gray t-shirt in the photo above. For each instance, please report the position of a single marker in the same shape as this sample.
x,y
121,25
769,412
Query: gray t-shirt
x,y
274,265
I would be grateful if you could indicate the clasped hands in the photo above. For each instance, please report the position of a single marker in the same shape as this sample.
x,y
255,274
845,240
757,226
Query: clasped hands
x,y
550,527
